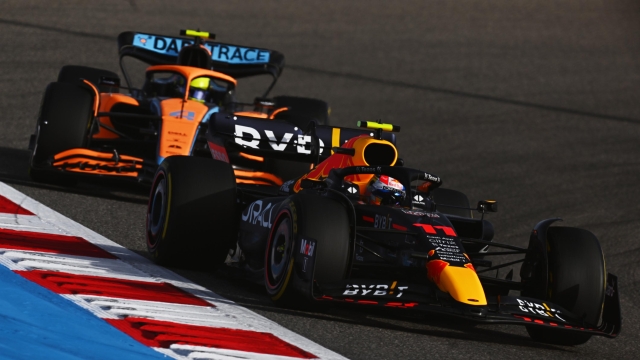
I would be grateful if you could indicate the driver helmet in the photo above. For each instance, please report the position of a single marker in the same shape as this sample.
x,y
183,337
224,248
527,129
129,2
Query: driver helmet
x,y
384,190
198,89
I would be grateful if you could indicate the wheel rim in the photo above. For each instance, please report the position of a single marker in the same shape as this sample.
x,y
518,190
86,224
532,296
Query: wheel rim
x,y
279,252
157,211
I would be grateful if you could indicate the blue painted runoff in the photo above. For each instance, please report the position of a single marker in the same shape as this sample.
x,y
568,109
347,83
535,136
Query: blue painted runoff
x,y
36,323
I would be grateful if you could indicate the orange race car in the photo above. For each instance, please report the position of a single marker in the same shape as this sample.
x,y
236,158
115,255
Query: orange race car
x,y
87,127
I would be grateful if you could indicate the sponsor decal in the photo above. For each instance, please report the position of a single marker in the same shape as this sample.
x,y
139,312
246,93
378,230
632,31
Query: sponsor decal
x,y
352,190
431,178
375,290
230,54
446,248
418,199
382,222
538,309
286,186
389,183
420,213
307,248
431,229
250,137
218,152
184,114
369,169
257,215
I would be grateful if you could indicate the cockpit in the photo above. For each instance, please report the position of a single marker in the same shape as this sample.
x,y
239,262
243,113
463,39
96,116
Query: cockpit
x,y
206,89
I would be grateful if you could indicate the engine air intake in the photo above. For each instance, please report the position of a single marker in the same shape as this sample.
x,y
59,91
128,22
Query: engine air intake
x,y
380,154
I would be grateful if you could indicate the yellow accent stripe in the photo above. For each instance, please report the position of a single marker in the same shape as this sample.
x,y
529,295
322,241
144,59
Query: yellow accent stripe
x,y
286,282
393,286
335,138
375,125
203,34
166,219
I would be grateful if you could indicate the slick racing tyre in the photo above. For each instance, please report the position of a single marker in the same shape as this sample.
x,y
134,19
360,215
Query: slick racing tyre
x,y
191,217
63,123
317,226
302,111
577,280
72,74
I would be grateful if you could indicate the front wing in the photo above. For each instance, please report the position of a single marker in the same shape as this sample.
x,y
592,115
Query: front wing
x,y
500,309
90,162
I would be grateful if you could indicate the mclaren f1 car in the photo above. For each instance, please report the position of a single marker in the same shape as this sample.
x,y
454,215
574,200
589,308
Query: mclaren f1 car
x,y
87,127
328,237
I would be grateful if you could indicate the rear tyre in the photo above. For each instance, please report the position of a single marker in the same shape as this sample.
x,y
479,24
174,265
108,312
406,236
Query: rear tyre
x,y
191,217
577,280
72,74
63,123
312,217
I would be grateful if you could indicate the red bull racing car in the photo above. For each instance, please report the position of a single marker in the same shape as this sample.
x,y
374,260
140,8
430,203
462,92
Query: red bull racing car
x,y
361,229
87,127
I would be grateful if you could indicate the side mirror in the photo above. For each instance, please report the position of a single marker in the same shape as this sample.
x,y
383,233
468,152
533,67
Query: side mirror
x,y
312,184
109,82
487,206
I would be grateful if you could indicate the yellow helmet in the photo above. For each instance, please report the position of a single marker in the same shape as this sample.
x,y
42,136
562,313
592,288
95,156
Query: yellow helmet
x,y
198,89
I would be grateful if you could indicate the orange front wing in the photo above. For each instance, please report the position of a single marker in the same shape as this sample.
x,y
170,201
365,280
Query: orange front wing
x,y
100,163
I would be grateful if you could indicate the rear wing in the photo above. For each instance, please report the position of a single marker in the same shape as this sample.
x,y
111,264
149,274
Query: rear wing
x,y
277,138
234,60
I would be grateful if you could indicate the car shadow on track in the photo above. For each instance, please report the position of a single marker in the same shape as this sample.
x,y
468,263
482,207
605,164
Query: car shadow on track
x,y
14,170
229,284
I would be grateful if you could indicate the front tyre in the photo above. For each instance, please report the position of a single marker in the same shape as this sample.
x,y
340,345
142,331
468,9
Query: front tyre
x,y
63,123
577,280
191,216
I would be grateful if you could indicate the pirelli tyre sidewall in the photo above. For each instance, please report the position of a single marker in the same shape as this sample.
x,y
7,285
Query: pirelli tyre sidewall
x,y
577,282
310,243
192,220
279,259
157,213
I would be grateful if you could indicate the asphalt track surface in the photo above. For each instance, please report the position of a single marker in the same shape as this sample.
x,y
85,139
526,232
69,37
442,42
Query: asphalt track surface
x,y
533,103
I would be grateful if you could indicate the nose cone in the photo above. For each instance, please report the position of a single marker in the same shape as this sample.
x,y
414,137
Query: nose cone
x,y
462,283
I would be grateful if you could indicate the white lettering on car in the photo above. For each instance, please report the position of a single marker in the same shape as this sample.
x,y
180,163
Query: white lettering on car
x,y
378,290
274,142
256,215
239,134
248,136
